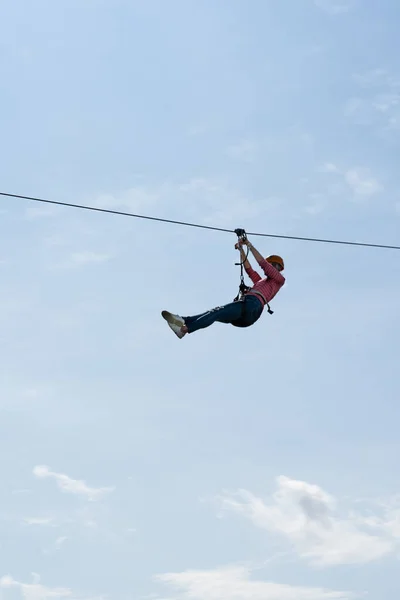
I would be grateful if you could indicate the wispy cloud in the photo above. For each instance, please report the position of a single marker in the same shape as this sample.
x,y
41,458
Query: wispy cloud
x,y
82,259
41,521
203,199
335,7
329,167
195,130
220,203
85,258
41,211
358,180
71,486
308,518
35,590
378,103
317,204
244,150
55,546
60,541
235,582
361,182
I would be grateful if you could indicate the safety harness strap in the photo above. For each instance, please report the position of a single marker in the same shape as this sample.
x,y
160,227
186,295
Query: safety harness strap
x,y
243,288
271,312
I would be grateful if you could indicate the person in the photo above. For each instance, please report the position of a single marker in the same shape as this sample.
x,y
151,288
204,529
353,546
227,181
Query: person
x,y
239,313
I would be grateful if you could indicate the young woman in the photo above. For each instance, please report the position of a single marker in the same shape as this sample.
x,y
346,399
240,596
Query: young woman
x,y
240,313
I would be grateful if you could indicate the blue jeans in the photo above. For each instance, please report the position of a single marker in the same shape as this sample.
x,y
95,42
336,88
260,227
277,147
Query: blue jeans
x,y
242,313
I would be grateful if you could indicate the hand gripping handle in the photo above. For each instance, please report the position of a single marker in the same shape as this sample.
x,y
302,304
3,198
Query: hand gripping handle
x,y
241,233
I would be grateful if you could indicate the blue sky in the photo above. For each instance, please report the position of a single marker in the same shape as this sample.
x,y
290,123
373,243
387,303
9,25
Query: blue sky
x,y
254,464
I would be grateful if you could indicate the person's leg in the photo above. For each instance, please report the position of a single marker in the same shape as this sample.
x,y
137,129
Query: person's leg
x,y
252,311
241,313
223,314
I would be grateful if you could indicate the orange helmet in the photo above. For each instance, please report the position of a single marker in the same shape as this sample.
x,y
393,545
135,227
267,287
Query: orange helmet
x,y
277,259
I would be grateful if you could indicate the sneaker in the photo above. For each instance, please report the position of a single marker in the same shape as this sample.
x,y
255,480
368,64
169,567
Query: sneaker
x,y
175,322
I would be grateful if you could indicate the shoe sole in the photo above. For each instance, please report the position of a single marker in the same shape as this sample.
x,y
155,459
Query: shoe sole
x,y
171,320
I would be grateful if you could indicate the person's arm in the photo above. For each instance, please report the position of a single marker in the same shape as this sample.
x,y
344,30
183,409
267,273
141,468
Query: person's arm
x,y
268,269
254,276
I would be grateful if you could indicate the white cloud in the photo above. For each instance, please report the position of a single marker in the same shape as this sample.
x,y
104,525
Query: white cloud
x,y
39,520
317,204
360,110
234,583
215,201
37,591
385,102
133,199
329,168
55,546
196,130
362,182
71,486
84,258
359,180
307,517
244,150
378,78
378,105
200,199
41,210
34,591
335,7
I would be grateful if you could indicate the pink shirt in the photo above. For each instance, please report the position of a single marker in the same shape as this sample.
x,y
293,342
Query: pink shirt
x,y
270,285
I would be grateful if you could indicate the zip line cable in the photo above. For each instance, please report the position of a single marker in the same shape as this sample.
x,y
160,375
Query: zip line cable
x,y
128,214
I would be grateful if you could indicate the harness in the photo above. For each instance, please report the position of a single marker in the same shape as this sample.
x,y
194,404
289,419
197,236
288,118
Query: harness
x,y
243,288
